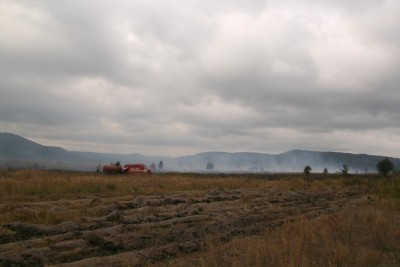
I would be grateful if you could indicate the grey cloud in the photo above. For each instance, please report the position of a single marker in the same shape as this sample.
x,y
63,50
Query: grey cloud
x,y
184,77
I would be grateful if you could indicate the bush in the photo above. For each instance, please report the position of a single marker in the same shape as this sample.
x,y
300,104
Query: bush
x,y
385,166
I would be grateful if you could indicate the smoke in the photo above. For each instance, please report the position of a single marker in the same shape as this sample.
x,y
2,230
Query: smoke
x,y
292,161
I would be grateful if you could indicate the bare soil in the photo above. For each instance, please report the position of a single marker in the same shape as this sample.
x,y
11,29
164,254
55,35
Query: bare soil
x,y
134,230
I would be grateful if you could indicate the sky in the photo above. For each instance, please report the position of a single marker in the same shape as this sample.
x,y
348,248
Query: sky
x,y
174,78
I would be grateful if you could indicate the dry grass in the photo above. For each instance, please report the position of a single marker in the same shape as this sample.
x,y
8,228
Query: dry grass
x,y
26,185
360,236
22,186
354,237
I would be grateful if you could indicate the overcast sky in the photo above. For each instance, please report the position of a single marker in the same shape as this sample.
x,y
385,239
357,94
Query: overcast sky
x,y
174,78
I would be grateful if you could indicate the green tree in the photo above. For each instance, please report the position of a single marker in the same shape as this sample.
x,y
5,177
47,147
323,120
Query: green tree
x,y
345,170
161,165
325,172
307,171
385,166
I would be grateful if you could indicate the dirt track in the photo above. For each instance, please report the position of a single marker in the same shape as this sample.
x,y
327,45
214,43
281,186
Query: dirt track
x,y
132,230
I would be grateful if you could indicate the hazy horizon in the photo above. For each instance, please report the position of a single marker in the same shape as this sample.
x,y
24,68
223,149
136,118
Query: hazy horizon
x,y
25,154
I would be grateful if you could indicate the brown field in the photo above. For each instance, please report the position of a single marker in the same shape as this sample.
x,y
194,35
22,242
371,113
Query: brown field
x,y
77,219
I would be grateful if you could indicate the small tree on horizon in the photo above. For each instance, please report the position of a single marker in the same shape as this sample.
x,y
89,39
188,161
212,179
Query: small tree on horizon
x,y
325,172
161,165
345,170
385,166
307,171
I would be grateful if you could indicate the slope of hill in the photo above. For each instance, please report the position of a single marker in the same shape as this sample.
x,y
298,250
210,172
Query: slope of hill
x,y
14,147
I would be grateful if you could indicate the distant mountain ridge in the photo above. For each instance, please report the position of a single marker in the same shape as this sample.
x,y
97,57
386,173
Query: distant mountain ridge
x,y
16,149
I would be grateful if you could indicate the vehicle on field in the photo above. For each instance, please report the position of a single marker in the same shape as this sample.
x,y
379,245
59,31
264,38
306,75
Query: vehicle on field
x,y
126,169
136,168
112,169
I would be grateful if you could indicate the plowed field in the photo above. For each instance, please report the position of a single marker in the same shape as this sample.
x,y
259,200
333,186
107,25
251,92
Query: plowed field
x,y
132,230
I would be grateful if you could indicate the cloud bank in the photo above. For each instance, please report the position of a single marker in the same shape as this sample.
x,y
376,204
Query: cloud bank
x,y
174,78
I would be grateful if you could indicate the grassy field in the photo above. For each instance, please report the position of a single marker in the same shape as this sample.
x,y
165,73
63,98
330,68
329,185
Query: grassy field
x,y
201,219
51,185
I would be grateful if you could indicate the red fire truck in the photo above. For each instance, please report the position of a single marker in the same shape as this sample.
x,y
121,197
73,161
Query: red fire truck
x,y
112,169
127,169
136,168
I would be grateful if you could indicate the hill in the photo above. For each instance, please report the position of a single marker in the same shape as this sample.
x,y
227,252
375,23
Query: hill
x,y
18,151
16,147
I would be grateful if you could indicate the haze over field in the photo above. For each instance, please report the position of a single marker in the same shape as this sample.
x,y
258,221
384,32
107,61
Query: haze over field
x,y
180,77
17,152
